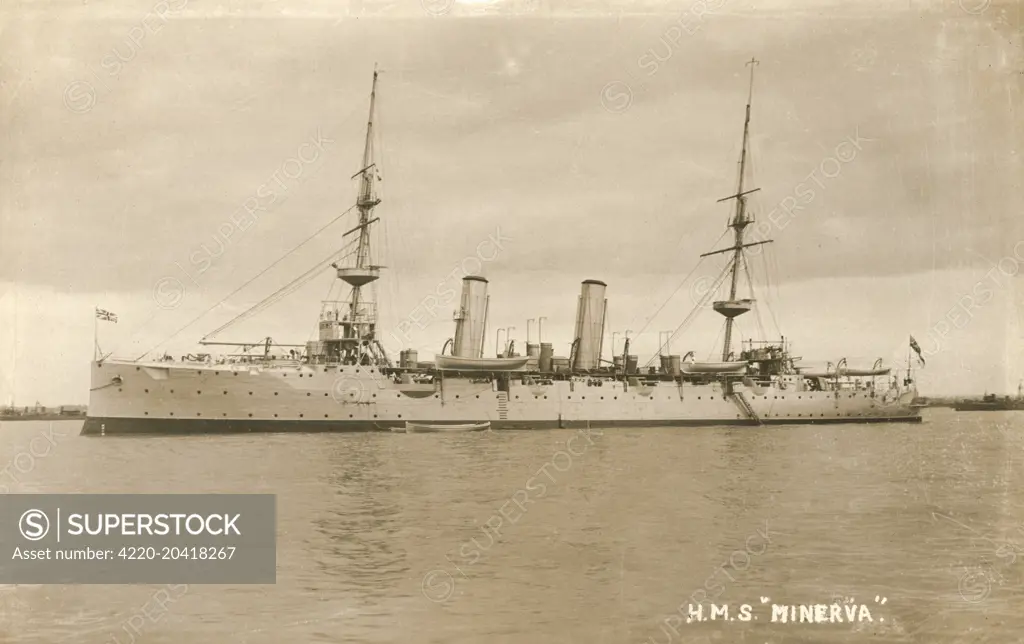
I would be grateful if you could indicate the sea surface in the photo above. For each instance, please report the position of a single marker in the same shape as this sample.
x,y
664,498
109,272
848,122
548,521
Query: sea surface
x,y
381,536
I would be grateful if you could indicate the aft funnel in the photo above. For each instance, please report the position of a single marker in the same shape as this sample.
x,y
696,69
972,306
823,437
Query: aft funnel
x,y
590,315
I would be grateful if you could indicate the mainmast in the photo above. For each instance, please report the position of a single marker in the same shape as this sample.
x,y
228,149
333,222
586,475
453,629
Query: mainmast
x,y
366,201
353,339
732,307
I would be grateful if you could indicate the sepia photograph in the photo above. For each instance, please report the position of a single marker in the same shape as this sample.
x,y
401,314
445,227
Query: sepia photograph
x,y
459,321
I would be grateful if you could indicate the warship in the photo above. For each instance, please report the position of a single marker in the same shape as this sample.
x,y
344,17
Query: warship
x,y
990,402
346,381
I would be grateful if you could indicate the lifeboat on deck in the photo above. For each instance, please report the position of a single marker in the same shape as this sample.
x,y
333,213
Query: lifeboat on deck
x,y
845,372
457,363
714,367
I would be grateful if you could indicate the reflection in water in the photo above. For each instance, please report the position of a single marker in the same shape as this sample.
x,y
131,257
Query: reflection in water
x,y
623,534
361,520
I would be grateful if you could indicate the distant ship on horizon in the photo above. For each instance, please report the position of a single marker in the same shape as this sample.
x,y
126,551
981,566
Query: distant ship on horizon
x,y
989,402
346,381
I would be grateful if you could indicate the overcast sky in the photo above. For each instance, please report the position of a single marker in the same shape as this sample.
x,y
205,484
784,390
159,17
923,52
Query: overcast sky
x,y
593,141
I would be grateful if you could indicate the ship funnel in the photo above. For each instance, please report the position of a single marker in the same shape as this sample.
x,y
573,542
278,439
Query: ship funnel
x,y
590,315
471,318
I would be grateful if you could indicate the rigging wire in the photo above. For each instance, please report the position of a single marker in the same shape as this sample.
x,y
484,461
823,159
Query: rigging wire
x,y
680,285
385,250
693,312
721,332
768,289
234,292
757,309
281,293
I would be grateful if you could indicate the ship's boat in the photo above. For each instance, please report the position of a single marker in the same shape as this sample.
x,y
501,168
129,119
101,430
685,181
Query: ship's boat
x,y
830,373
714,367
419,428
459,363
866,372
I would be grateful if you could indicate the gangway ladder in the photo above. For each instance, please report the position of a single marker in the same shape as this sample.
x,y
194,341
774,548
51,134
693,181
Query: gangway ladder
x,y
745,407
502,405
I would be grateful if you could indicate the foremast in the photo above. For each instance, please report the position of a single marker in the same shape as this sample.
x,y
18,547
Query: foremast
x,y
353,339
734,307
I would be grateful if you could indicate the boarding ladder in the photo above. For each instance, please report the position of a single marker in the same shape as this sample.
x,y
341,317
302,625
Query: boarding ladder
x,y
502,405
745,407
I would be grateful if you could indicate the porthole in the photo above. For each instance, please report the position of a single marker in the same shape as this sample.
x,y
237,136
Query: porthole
x,y
399,415
300,415
250,415
198,414
137,368
198,392
216,373
172,413
350,415
146,413
275,393
308,394
325,415
172,391
119,389
250,393
275,415
225,392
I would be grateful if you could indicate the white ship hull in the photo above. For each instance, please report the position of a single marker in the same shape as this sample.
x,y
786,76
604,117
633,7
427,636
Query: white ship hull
x,y
161,397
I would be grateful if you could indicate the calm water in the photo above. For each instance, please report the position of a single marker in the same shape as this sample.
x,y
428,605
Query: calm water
x,y
931,517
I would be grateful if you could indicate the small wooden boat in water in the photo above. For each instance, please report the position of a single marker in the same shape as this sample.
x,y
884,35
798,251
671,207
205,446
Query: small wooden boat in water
x,y
425,428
